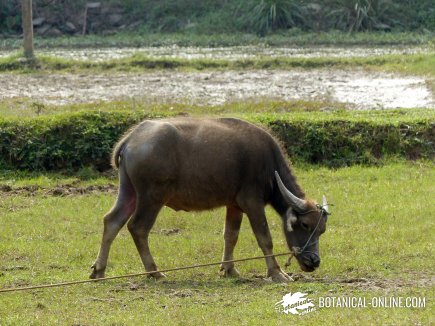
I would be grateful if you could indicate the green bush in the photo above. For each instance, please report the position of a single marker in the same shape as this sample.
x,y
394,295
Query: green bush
x,y
10,16
62,142
342,142
85,139
266,16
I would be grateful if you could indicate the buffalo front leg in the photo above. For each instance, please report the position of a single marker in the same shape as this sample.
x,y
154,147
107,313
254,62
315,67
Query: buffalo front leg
x,y
259,225
140,226
233,221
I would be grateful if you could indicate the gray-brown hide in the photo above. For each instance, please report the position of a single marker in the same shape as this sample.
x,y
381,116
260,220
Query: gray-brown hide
x,y
198,164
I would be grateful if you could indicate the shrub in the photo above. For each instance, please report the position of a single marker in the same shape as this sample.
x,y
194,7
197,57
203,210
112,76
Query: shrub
x,y
342,142
84,139
252,16
10,16
62,142
265,16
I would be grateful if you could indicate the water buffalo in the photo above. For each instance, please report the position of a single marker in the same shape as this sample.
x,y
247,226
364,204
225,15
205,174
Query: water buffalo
x,y
199,164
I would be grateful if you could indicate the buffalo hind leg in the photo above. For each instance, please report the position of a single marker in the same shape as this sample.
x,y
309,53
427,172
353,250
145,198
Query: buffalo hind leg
x,y
139,226
233,221
257,218
114,220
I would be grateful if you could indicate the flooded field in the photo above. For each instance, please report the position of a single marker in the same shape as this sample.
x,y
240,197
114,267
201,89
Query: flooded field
x,y
227,53
358,88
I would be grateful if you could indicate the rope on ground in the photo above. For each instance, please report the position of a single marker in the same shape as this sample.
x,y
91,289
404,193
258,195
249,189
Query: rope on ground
x,y
44,286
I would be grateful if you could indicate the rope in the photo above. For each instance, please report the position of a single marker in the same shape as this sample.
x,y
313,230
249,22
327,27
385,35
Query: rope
x,y
44,286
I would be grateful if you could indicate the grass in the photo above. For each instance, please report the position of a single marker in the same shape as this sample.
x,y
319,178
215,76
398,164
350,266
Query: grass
x,y
84,177
290,38
413,63
250,109
25,107
378,243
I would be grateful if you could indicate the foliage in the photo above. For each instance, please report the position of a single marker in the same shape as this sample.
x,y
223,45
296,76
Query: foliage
x,y
267,15
252,16
10,16
76,140
62,142
174,15
364,14
342,143
264,16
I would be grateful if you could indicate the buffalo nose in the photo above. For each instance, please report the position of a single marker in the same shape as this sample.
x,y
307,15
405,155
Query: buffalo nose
x,y
315,261
311,261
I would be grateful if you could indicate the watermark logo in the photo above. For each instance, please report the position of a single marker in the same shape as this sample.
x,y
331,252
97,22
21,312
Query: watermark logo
x,y
298,303
295,303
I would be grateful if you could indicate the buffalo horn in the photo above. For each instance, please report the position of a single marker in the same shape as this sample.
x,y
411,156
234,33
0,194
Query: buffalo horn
x,y
295,202
325,204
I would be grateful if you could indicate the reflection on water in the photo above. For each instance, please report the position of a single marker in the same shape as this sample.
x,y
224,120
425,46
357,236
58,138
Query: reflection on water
x,y
385,92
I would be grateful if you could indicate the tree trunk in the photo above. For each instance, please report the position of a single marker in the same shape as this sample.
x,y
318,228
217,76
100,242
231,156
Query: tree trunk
x,y
26,10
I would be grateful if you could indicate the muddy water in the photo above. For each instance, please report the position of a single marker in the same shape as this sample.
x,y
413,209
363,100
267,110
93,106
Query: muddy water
x,y
227,53
361,89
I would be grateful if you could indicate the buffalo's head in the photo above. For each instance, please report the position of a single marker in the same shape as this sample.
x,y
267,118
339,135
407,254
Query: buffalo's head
x,y
304,222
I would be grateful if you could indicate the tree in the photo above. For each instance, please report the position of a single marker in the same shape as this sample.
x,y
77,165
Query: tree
x,y
26,9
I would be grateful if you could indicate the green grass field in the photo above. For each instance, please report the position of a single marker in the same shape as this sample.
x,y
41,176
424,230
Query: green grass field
x,y
379,243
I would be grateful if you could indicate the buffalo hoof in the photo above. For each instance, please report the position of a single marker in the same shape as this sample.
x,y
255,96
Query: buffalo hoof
x,y
230,272
96,274
280,277
157,275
